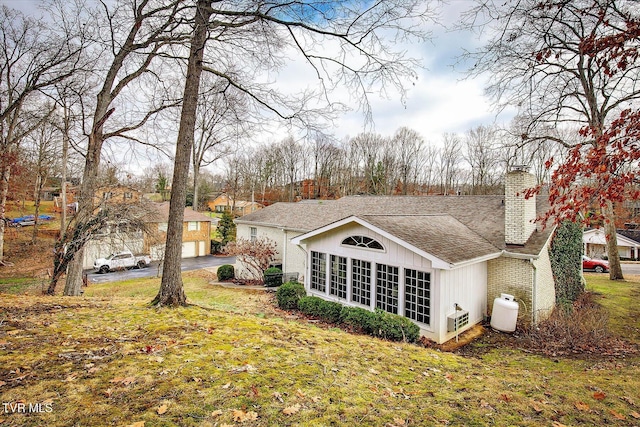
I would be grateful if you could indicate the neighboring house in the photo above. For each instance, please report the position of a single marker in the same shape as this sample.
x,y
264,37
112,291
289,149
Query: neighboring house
x,y
595,243
423,257
110,239
116,194
225,203
196,233
196,240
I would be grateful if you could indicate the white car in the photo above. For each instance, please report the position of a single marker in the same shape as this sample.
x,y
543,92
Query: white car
x,y
121,261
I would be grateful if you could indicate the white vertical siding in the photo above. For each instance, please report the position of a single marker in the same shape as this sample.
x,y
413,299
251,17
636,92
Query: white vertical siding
x,y
466,286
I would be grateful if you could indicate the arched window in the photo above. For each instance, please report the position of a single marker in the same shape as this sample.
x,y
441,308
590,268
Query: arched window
x,y
363,242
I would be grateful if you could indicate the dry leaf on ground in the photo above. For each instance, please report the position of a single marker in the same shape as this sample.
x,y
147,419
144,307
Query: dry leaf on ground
x,y
162,409
581,406
598,395
241,416
291,409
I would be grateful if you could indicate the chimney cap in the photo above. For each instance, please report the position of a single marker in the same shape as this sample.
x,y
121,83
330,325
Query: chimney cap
x,y
520,168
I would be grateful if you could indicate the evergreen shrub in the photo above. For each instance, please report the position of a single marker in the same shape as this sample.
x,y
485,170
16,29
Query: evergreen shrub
x,y
289,294
226,272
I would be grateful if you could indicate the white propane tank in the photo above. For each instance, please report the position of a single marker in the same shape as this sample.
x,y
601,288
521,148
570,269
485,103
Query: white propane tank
x,y
504,314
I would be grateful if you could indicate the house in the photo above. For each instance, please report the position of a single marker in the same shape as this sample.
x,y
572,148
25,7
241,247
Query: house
x,y
225,203
119,236
595,243
115,194
433,259
196,233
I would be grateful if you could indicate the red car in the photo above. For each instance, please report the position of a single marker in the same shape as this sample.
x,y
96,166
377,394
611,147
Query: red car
x,y
597,265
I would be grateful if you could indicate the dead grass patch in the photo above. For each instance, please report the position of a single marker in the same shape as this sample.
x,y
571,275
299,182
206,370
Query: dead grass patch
x,y
580,328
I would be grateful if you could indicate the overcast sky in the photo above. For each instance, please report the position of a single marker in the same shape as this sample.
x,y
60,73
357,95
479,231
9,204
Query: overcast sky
x,y
442,100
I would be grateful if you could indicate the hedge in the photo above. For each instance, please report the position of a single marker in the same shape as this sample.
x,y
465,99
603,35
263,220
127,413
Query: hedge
x,y
289,294
376,323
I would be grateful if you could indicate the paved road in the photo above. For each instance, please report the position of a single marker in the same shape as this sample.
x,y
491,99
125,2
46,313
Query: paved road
x,y
630,268
152,271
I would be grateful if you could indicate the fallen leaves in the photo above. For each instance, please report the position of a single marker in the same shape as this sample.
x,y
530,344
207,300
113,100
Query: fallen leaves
x,y
123,380
290,410
599,395
581,406
240,416
162,409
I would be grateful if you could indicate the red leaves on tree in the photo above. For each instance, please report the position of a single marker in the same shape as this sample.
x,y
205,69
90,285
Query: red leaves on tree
x,y
594,174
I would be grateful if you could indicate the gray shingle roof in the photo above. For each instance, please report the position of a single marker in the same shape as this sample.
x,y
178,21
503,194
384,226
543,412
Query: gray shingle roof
x,y
482,215
442,236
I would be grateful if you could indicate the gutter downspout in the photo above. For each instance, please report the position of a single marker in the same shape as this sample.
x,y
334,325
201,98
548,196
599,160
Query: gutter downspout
x,y
284,249
534,290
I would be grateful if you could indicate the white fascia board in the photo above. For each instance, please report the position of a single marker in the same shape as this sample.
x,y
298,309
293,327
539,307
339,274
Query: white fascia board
x,y
477,260
435,262
587,237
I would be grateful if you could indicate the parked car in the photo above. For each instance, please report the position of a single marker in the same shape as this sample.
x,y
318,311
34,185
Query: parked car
x,y
27,220
597,265
121,261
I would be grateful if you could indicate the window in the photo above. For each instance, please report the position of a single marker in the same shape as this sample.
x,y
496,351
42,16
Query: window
x,y
106,195
128,195
417,295
363,242
253,233
193,226
387,288
318,271
162,226
338,282
361,282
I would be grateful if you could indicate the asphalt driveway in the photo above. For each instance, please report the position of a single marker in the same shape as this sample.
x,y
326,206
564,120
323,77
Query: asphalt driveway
x,y
155,267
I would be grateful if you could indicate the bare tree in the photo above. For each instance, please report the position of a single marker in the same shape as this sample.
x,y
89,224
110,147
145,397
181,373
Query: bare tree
x,y
134,34
481,154
450,157
409,144
543,57
42,146
220,121
254,34
33,58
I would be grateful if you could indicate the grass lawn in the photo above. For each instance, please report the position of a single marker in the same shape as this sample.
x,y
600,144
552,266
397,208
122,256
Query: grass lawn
x,y
109,359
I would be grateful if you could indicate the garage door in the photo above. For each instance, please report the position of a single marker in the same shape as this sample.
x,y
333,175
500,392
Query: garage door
x,y
189,249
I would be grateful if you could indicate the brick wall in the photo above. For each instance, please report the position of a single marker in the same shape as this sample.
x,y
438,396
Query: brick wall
x,y
511,276
519,212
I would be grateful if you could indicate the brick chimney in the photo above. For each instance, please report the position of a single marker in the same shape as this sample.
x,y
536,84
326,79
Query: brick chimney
x,y
519,213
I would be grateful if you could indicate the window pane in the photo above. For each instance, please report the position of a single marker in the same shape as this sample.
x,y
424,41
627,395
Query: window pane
x,y
387,288
338,283
318,271
417,295
361,282
363,242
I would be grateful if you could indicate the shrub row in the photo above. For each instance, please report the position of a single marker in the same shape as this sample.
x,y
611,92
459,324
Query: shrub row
x,y
289,294
375,323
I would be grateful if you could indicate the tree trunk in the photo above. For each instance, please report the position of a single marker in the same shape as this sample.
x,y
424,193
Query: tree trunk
x,y
615,268
73,283
171,289
86,207
5,173
196,172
